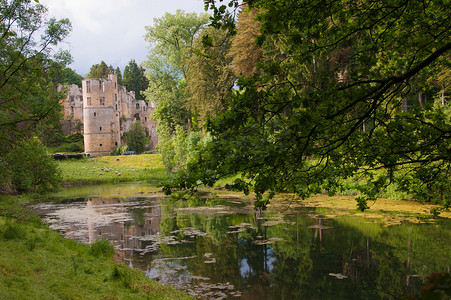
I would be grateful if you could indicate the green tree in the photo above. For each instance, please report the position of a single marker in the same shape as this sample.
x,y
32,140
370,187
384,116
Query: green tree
x,y
67,76
119,76
135,138
71,77
172,37
49,130
135,79
31,169
209,77
101,70
28,91
329,102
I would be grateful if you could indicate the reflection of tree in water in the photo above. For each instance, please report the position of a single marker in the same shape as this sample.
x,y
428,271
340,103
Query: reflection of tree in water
x,y
138,215
289,277
221,244
377,262
412,252
374,262
343,251
257,258
226,267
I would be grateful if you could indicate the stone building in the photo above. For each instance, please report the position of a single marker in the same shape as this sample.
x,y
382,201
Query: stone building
x,y
106,111
73,111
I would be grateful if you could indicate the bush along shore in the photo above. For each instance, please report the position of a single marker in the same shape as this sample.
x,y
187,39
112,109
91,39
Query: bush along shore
x,y
38,263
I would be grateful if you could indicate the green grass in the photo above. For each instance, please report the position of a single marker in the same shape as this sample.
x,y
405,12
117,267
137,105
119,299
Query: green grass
x,y
38,263
145,167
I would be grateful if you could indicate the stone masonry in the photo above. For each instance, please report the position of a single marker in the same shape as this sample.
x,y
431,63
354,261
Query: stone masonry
x,y
103,111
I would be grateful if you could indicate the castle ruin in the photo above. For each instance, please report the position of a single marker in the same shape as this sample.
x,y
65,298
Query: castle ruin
x,y
103,111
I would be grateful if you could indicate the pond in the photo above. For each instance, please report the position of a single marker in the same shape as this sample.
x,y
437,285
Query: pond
x,y
223,249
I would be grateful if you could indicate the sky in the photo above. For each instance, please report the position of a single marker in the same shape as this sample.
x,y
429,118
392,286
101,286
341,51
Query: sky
x,y
111,30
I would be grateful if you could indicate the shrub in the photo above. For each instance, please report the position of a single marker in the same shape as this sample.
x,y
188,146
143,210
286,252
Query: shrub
x,y
165,146
179,149
135,137
32,170
102,247
70,148
74,138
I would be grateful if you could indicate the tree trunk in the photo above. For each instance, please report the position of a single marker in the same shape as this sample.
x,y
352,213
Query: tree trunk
x,y
420,99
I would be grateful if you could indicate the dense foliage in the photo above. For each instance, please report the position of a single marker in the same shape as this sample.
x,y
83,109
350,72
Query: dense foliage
x,y
134,79
119,76
30,169
28,90
135,137
101,70
347,89
209,77
172,37
189,82
69,76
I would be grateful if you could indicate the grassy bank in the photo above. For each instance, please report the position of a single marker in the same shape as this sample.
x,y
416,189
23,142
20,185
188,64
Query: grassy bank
x,y
37,263
111,169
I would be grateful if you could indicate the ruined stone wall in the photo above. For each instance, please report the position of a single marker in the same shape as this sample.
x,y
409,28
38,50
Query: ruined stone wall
x,y
126,101
106,111
138,110
73,110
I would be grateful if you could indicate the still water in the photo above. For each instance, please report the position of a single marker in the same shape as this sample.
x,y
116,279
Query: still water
x,y
222,249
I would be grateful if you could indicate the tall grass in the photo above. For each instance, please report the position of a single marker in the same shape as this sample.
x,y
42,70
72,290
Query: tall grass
x,y
102,247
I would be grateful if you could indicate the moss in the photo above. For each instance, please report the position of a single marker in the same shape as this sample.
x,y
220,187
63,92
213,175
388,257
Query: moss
x,y
386,211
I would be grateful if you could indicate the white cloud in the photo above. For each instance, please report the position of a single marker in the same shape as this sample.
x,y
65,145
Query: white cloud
x,y
112,30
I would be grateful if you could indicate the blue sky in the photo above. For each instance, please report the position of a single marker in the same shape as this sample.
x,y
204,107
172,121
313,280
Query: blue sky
x,y
111,30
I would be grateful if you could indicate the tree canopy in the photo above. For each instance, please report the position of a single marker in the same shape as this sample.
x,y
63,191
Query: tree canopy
x,y
119,75
69,76
28,87
135,137
209,77
101,70
244,51
135,79
344,92
171,38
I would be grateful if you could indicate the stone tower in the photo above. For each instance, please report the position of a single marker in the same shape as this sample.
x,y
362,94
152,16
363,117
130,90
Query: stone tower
x,y
101,114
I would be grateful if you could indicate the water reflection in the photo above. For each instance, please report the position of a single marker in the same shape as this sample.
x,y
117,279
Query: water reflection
x,y
220,252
